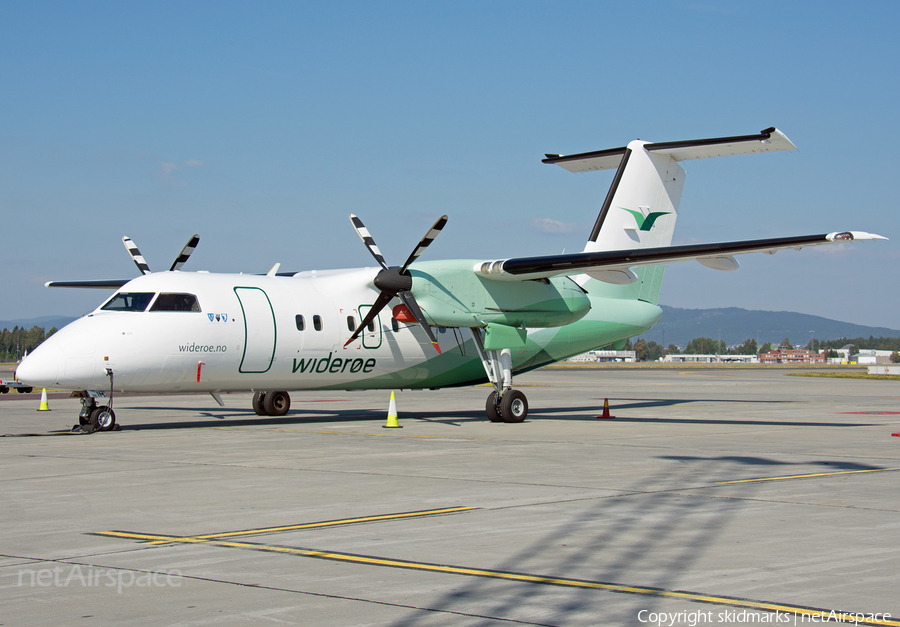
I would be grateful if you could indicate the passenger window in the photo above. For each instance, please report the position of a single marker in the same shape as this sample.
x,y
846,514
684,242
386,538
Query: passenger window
x,y
300,324
371,326
317,322
176,302
128,301
351,323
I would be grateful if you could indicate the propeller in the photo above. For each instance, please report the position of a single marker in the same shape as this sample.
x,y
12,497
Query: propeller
x,y
185,253
141,264
395,281
136,255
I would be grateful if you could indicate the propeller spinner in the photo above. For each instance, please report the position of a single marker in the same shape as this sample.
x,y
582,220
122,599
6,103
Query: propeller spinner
x,y
395,281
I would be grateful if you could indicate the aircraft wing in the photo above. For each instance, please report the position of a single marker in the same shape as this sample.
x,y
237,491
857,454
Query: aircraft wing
x,y
614,266
105,284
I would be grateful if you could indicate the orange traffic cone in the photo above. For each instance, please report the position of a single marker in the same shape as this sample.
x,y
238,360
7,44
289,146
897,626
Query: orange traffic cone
x,y
605,415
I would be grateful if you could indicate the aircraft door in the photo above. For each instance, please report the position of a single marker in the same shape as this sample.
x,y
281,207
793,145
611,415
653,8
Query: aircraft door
x,y
370,339
259,330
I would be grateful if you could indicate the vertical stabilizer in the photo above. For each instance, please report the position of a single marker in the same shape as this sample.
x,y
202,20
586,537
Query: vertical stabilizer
x,y
642,204
639,212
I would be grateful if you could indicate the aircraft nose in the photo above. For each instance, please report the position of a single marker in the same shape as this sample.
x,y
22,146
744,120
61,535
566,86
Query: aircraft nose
x,y
40,368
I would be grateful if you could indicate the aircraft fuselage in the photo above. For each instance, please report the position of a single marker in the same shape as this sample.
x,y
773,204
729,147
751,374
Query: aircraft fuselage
x,y
251,332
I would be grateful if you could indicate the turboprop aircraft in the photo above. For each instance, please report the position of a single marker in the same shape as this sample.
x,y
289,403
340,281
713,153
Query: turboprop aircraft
x,y
425,324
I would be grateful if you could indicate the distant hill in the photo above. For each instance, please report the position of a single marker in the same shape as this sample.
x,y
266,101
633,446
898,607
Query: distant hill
x,y
734,325
46,322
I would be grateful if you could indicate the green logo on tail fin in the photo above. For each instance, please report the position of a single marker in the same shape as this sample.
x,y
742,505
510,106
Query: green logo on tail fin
x,y
645,223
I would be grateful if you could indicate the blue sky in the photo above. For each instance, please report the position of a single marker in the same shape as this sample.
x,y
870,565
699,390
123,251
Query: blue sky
x,y
261,125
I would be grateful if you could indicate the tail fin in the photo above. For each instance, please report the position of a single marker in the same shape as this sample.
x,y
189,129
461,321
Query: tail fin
x,y
642,203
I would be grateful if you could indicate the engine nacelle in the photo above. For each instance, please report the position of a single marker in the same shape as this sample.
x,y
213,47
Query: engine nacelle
x,y
451,295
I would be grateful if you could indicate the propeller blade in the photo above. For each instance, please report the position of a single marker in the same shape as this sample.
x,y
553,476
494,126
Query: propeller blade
x,y
136,255
185,253
383,299
426,241
366,237
410,301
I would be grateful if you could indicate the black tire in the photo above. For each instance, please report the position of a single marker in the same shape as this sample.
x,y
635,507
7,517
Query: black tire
x,y
259,404
103,419
277,403
24,390
514,406
3,389
492,408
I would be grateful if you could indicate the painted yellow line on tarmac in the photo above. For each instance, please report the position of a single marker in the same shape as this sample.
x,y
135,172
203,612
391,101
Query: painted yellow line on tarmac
x,y
810,613
819,474
382,435
315,525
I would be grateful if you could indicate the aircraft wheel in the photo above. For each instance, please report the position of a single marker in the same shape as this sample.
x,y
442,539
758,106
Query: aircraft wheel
x,y
103,419
259,404
277,403
514,406
492,408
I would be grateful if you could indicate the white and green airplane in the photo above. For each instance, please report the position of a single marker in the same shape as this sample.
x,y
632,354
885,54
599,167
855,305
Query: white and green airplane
x,y
425,324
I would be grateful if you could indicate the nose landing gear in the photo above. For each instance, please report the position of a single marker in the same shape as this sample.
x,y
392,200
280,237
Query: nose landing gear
x,y
93,417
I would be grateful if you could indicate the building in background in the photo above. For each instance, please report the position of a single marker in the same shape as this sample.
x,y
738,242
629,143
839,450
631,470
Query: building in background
x,y
792,356
711,359
601,356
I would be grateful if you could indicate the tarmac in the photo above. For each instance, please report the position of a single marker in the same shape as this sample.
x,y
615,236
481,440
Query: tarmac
x,y
715,496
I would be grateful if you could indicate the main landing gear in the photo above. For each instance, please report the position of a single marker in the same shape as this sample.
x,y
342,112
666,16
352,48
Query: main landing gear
x,y
504,404
271,403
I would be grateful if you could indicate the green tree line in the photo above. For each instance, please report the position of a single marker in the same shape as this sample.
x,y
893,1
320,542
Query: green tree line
x,y
652,351
13,344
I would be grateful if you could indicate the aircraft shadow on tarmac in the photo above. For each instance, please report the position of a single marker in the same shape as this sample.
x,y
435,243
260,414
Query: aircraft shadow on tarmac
x,y
297,418
657,526
618,406
304,415
766,461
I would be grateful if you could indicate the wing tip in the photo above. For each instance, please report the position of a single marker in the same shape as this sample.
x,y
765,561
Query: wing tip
x,y
849,236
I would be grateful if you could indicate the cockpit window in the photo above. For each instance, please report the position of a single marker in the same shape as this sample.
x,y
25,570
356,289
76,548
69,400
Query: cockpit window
x,y
176,302
128,301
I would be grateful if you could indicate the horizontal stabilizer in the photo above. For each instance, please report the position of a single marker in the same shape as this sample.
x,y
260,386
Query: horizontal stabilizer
x,y
527,268
769,140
